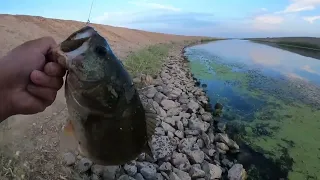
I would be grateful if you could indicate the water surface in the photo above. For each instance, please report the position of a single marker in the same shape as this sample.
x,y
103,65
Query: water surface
x,y
271,98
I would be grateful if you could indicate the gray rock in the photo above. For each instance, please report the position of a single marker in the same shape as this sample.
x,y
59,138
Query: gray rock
x,y
227,163
211,136
84,165
196,157
151,92
185,115
220,137
222,146
196,172
110,172
161,146
179,134
131,168
165,175
200,143
212,171
207,117
181,174
69,159
170,134
174,111
202,111
221,126
194,106
179,125
159,177
165,75
174,176
136,80
142,156
179,158
206,139
168,104
167,127
162,112
186,144
183,100
97,169
125,177
159,131
95,177
159,88
170,121
149,172
198,125
138,176
175,93
158,97
185,122
237,172
210,152
221,151
166,166
184,167
233,145
176,118
196,166
192,132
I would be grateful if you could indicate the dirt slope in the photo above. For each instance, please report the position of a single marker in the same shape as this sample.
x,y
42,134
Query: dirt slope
x,y
17,29
29,145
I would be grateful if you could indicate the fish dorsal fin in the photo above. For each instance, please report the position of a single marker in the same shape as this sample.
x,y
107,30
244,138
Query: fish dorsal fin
x,y
151,123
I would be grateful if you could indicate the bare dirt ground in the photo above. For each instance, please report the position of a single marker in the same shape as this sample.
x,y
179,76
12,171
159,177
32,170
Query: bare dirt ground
x,y
29,145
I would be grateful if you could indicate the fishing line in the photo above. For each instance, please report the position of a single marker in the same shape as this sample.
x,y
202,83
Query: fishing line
x,y
90,12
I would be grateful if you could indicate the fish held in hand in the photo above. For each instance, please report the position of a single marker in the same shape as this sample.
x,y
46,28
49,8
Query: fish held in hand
x,y
106,116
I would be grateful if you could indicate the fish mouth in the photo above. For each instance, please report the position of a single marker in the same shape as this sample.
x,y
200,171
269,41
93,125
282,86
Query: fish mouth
x,y
70,52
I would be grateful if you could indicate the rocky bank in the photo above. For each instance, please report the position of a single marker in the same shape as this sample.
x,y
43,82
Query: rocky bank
x,y
187,144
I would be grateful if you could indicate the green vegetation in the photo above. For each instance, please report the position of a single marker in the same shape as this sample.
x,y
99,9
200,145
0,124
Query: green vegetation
x,y
204,40
148,60
301,44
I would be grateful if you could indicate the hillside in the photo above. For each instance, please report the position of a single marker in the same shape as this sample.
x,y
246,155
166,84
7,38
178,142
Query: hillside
x,y
14,30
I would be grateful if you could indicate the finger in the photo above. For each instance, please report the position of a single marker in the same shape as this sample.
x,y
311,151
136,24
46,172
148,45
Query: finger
x,y
47,95
54,69
41,79
32,105
43,44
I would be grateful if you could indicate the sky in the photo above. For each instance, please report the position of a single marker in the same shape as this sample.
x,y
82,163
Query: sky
x,y
216,18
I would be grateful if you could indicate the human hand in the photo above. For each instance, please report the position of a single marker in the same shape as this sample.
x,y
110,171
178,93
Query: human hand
x,y
29,78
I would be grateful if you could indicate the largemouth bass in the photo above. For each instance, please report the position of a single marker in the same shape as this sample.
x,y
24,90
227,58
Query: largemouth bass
x,y
106,115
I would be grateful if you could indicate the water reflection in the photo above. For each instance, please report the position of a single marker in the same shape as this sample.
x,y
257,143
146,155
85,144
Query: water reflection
x,y
271,60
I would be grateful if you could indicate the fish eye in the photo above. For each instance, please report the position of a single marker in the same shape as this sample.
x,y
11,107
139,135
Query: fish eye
x,y
101,51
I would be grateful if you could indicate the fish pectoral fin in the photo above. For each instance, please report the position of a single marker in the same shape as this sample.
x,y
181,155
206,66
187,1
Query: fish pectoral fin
x,y
67,138
151,123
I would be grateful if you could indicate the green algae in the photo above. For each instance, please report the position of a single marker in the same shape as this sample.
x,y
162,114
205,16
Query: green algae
x,y
285,129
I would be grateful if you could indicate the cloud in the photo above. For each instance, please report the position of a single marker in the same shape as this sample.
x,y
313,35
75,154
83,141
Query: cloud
x,y
267,22
309,69
301,5
159,20
311,19
154,5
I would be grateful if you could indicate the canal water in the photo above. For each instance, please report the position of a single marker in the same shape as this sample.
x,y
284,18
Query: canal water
x,y
271,101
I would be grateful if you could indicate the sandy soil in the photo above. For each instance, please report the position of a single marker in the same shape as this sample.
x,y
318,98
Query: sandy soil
x,y
29,145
